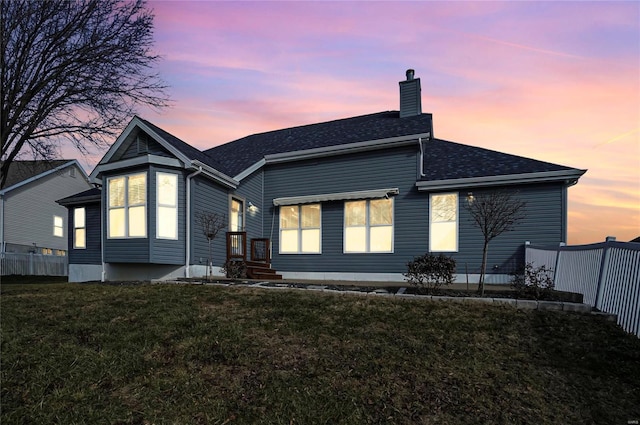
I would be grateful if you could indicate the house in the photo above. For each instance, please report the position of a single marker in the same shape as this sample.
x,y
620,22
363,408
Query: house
x,y
354,198
30,218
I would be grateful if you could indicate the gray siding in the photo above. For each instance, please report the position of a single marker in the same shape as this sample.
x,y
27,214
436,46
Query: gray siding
x,y
29,210
92,253
207,196
365,171
130,149
544,223
250,190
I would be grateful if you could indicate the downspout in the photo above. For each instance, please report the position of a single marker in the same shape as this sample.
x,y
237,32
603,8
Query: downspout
x,y
102,235
2,243
421,165
188,222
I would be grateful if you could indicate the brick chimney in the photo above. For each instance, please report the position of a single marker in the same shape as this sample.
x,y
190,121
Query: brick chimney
x,y
410,96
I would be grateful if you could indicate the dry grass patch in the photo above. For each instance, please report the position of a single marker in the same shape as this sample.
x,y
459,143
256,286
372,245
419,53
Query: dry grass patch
x,y
201,354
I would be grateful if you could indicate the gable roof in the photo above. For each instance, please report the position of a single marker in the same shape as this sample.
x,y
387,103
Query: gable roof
x,y
237,156
24,172
184,148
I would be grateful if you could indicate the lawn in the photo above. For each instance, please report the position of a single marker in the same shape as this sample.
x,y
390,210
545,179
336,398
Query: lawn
x,y
192,354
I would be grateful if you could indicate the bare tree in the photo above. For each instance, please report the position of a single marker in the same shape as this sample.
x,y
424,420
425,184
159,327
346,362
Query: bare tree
x,y
211,223
72,71
494,213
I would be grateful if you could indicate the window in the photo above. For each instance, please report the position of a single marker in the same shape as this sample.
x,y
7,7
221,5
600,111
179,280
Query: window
x,y
368,226
443,222
167,212
127,199
236,218
58,226
300,230
79,228
47,251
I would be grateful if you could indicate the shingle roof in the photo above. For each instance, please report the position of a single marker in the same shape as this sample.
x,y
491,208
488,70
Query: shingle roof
x,y
240,154
445,160
20,171
91,195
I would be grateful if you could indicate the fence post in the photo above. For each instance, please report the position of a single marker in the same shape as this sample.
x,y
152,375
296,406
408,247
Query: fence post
x,y
31,263
557,264
604,266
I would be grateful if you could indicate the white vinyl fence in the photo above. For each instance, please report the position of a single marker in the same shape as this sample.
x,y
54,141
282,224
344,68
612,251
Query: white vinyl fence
x,y
32,264
607,274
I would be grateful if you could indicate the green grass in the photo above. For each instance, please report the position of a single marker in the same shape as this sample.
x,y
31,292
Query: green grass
x,y
173,354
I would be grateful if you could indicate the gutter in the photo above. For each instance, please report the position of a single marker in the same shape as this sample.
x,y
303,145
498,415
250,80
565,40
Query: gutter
x,y
102,233
568,177
343,149
215,174
188,222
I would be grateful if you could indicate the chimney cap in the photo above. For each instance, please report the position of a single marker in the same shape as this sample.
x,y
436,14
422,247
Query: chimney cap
x,y
410,73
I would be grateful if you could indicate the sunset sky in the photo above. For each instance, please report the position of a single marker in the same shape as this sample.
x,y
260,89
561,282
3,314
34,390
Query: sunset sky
x,y
554,81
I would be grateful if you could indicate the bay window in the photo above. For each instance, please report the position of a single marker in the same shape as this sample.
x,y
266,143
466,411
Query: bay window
x,y
300,229
127,206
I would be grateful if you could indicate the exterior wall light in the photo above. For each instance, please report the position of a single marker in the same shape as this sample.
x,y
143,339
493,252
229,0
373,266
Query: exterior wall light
x,y
252,208
470,198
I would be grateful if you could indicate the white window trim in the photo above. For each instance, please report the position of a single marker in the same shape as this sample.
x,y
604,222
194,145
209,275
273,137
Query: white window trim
x,y
76,227
126,206
431,195
299,231
158,205
61,227
368,227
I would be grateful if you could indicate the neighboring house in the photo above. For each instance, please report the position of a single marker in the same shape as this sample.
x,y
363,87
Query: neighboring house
x,y
30,218
355,198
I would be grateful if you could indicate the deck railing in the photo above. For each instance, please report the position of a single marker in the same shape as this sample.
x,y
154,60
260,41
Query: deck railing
x,y
237,245
237,248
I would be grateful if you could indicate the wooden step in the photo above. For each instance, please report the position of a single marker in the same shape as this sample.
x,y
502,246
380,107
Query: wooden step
x,y
266,276
257,270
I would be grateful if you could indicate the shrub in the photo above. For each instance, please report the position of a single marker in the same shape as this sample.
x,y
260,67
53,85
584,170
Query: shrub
x,y
235,269
535,282
431,271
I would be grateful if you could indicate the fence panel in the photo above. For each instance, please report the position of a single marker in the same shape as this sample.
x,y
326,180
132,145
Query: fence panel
x,y
579,271
33,264
607,274
541,257
621,288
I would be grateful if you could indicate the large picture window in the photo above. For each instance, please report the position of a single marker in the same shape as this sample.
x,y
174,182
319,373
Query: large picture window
x,y
167,208
300,229
79,228
127,201
443,222
368,226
